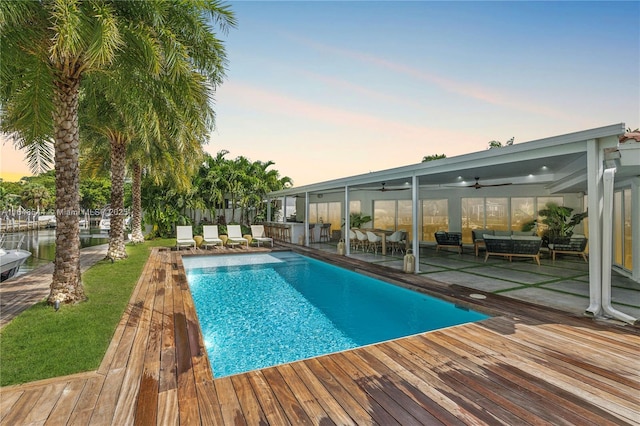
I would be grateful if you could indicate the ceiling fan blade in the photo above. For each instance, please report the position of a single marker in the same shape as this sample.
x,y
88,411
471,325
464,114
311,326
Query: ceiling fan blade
x,y
478,185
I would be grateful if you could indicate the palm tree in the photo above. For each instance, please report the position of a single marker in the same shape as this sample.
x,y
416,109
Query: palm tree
x,y
48,47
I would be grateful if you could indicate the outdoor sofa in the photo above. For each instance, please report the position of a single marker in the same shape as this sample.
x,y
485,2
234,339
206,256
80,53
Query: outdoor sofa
x,y
512,246
478,234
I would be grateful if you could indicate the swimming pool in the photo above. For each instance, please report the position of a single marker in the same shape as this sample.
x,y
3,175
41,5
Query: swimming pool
x,y
260,310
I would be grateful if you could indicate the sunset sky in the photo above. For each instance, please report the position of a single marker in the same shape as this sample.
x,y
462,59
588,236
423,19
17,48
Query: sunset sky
x,y
332,89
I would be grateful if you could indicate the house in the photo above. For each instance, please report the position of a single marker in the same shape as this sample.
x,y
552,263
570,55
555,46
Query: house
x,y
596,169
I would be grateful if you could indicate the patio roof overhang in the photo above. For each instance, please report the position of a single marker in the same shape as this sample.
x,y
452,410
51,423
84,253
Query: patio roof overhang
x,y
559,163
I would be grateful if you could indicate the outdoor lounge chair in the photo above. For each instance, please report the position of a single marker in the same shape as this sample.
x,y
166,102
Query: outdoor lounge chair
x,y
210,236
576,244
449,239
259,236
184,237
235,235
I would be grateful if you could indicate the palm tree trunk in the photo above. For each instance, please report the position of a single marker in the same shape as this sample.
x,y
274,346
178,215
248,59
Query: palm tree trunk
x,y
117,250
136,214
66,286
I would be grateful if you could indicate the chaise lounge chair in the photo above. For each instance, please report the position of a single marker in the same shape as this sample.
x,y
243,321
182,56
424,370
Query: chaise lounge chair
x,y
210,236
258,234
235,235
184,237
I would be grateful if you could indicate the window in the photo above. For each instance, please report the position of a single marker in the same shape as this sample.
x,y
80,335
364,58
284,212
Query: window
x,y
622,246
393,215
473,217
522,212
326,213
435,217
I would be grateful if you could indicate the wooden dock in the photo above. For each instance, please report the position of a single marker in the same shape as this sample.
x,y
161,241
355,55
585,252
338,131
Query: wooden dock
x,y
525,365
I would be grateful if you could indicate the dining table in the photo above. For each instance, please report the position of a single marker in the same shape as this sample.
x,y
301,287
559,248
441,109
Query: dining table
x,y
382,233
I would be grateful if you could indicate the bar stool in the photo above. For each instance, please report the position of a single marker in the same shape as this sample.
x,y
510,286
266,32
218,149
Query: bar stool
x,y
277,229
312,237
324,232
286,233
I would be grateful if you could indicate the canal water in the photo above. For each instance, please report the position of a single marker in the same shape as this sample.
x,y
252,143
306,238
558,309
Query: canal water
x,y
42,245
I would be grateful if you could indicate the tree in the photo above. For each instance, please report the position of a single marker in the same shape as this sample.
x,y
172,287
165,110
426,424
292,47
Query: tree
x,y
433,157
498,144
35,197
48,48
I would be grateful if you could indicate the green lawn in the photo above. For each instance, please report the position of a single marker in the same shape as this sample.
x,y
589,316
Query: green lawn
x,y
42,343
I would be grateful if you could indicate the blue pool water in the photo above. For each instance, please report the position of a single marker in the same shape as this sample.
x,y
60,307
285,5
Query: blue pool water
x,y
259,310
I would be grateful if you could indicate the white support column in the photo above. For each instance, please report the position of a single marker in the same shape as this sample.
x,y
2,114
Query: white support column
x,y
306,219
284,209
347,221
414,220
595,171
268,218
635,229
607,244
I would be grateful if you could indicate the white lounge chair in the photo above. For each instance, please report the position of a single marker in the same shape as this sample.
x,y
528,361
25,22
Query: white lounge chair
x,y
258,234
235,235
210,236
184,237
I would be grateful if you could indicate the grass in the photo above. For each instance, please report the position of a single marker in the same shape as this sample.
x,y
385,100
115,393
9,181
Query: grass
x,y
41,343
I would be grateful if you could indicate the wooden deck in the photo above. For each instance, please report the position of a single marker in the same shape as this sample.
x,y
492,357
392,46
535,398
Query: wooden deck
x,y
527,365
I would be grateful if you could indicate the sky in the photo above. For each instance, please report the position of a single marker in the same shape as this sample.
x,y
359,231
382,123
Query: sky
x,y
330,89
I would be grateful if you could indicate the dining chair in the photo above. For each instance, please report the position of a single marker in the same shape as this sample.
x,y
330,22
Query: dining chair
x,y
353,239
363,241
373,241
395,239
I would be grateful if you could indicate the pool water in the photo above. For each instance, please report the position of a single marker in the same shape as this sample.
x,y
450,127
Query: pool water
x,y
260,310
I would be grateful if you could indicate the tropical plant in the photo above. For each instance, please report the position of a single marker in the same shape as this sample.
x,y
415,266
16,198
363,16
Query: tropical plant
x,y
557,221
48,47
427,158
356,220
36,197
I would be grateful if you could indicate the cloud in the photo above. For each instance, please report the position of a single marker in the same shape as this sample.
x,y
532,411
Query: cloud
x,y
479,93
248,96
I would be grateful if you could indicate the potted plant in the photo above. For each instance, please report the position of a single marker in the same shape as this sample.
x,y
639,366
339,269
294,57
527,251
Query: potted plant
x,y
558,220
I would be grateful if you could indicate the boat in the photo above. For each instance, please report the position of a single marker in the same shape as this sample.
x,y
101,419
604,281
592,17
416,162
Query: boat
x,y
11,260
105,221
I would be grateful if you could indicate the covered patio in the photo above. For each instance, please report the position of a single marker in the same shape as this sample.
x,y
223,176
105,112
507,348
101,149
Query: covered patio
x,y
596,170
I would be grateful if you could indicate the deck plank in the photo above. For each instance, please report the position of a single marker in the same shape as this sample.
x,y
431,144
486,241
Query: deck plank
x,y
247,399
305,398
333,409
286,398
268,401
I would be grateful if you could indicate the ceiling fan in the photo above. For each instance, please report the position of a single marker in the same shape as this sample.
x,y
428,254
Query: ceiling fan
x,y
478,185
384,189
